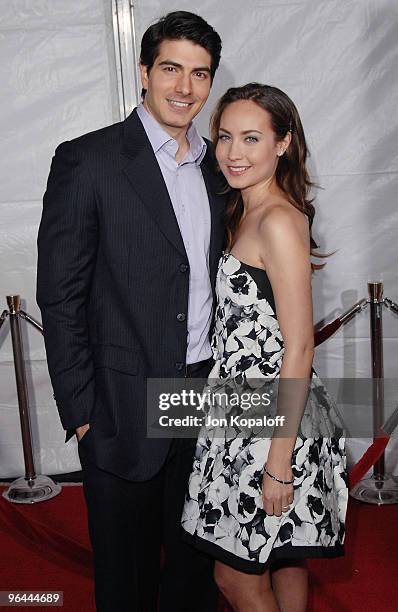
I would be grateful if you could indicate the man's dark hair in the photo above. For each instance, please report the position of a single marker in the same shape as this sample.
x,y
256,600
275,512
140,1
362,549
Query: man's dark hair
x,y
180,25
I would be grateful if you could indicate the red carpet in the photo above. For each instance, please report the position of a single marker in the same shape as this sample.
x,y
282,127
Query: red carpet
x,y
45,547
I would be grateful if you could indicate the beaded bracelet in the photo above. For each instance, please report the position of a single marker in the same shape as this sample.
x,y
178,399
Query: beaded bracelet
x,y
285,482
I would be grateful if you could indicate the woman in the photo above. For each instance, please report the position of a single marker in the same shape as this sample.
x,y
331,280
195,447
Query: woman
x,y
262,505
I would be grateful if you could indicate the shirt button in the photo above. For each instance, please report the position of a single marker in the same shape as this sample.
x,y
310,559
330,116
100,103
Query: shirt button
x,y
181,317
183,267
179,365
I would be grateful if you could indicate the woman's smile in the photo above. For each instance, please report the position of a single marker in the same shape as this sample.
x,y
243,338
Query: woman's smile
x,y
237,170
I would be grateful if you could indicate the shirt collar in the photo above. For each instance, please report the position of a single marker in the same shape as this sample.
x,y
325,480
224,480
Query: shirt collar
x,y
160,139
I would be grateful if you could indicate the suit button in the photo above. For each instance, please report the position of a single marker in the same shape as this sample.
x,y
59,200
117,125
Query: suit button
x,y
183,267
179,365
181,317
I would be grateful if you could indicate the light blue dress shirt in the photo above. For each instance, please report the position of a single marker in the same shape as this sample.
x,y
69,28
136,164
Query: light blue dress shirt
x,y
188,195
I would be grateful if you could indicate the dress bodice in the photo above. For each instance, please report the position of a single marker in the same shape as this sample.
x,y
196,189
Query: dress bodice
x,y
247,340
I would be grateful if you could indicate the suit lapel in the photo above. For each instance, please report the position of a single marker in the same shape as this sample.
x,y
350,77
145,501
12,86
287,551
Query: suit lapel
x,y
214,185
145,176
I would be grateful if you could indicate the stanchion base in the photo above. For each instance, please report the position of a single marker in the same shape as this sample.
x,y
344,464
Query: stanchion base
x,y
378,490
23,491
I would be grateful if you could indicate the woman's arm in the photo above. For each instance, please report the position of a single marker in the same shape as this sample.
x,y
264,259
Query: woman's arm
x,y
285,253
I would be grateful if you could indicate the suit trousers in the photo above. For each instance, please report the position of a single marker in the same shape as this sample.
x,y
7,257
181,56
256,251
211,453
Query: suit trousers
x,y
130,521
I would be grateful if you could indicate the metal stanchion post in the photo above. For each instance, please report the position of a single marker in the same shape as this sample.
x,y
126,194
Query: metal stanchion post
x,y
376,339
31,488
22,390
380,488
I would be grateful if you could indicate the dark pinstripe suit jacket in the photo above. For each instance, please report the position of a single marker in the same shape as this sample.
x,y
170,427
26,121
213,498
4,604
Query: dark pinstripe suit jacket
x,y
112,277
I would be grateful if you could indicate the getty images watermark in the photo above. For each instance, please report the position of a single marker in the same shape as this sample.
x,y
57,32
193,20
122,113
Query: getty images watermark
x,y
330,408
180,408
191,399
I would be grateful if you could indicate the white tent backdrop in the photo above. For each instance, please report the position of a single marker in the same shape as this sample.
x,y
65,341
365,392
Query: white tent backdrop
x,y
337,60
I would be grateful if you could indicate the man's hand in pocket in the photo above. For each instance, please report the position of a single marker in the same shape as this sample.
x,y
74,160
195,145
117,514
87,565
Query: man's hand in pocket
x,y
81,431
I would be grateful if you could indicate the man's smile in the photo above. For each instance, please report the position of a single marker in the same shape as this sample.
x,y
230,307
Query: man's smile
x,y
178,104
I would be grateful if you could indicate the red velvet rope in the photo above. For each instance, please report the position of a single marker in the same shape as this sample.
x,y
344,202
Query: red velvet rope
x,y
367,460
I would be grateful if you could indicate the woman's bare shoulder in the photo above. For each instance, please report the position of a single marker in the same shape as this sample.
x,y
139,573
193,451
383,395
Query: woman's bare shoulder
x,y
281,218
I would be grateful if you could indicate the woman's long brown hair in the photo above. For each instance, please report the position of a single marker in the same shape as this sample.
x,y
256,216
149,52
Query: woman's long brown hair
x,y
291,173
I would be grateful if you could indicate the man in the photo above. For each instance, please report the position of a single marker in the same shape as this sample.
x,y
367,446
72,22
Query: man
x,y
129,242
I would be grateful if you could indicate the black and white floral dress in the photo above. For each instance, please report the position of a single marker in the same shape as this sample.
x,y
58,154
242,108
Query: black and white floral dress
x,y
223,513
